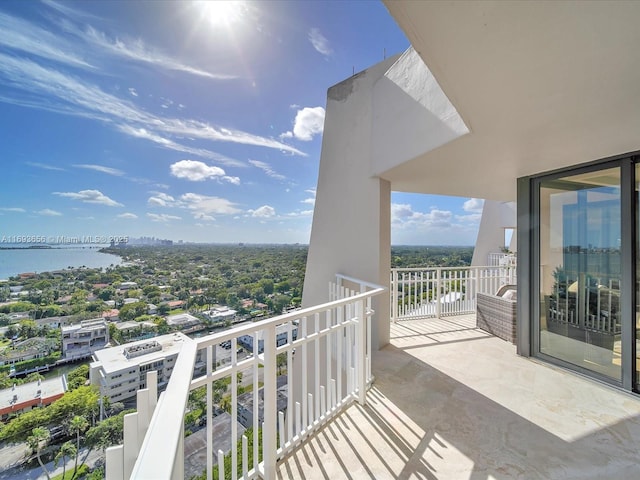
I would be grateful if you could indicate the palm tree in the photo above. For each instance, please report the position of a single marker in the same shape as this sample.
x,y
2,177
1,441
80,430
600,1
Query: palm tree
x,y
66,450
78,424
36,442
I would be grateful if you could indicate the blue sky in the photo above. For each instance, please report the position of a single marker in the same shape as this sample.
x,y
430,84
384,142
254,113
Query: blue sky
x,y
194,121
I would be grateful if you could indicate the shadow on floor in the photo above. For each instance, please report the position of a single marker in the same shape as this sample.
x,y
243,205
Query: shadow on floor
x,y
423,420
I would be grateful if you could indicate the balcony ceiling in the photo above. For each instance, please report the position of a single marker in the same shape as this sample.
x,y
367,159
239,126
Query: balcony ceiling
x,y
540,85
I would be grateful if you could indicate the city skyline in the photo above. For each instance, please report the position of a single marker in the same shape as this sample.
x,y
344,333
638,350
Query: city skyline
x,y
199,121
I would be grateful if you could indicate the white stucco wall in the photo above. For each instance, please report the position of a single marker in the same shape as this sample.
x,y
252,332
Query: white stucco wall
x,y
351,220
411,115
496,216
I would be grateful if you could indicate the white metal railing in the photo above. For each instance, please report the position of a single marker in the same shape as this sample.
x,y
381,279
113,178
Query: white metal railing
x,y
326,353
441,291
499,259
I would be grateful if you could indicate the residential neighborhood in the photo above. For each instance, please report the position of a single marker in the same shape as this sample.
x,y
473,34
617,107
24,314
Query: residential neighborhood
x,y
104,329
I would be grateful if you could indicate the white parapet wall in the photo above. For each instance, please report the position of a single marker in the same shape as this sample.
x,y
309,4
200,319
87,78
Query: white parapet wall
x,y
351,220
496,218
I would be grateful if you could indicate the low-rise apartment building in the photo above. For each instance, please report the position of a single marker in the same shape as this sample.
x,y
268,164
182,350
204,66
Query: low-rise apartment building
x,y
82,339
21,398
121,371
246,403
29,349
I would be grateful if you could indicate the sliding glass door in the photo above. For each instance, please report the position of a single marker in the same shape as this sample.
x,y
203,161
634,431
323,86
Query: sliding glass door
x,y
579,249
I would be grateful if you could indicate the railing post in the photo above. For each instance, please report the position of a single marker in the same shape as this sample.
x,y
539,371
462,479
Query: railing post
x,y
362,351
438,303
394,295
209,359
269,434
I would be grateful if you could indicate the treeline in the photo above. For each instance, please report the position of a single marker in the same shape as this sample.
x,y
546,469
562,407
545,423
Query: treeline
x,y
199,275
421,256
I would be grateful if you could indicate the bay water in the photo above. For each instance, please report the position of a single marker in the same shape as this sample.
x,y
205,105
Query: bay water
x,y
21,260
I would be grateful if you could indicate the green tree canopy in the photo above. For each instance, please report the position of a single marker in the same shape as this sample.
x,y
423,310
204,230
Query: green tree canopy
x,y
81,401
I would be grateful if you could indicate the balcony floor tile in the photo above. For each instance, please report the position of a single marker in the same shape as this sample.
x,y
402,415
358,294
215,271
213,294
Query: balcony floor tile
x,y
451,402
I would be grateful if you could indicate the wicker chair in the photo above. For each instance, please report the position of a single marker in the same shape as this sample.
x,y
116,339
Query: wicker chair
x,y
497,314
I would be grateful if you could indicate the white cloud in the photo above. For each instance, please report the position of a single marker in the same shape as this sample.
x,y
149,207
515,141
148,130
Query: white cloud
x,y
471,218
161,199
403,216
133,92
47,212
300,213
203,216
266,168
103,169
162,217
12,209
320,42
311,200
51,90
137,51
128,215
170,144
264,211
473,205
90,196
66,10
205,131
26,37
203,204
196,171
401,210
44,166
309,122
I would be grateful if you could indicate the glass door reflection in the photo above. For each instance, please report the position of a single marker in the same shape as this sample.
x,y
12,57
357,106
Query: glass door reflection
x,y
580,237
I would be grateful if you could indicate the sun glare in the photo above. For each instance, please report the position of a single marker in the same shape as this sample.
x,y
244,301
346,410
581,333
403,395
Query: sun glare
x,y
222,12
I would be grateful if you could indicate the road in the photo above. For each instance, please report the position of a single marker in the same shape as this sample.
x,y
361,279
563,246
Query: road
x,y
12,454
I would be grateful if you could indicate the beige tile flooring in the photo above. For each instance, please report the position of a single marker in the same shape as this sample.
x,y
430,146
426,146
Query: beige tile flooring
x,y
452,402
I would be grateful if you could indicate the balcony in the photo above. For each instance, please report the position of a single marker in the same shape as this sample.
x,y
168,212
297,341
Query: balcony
x,y
443,400
450,401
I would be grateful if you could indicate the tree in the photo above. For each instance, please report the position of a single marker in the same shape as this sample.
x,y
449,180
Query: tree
x,y
107,293
162,326
81,401
267,285
66,450
33,377
11,331
115,408
281,363
283,287
37,441
132,310
5,380
78,424
28,328
108,432
78,376
163,309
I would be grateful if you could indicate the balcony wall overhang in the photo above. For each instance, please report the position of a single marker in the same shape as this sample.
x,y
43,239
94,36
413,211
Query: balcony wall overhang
x,y
539,85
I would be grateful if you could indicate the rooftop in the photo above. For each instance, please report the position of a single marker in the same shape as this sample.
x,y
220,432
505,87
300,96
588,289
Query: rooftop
x,y
133,324
113,359
27,392
87,326
182,319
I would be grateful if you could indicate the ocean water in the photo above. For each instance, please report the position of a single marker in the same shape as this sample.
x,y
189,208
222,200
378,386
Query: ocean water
x,y
15,261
